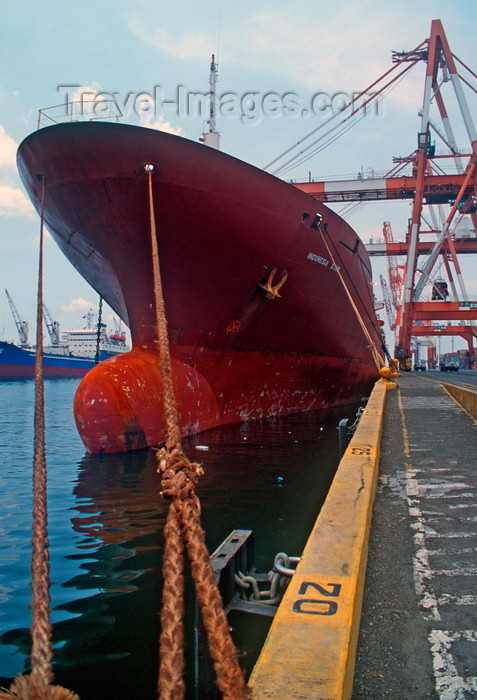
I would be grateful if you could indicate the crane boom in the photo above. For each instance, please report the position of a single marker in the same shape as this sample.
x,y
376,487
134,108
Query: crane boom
x,y
53,327
22,326
388,304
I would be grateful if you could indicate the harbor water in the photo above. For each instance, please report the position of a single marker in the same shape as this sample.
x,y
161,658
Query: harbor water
x,y
106,519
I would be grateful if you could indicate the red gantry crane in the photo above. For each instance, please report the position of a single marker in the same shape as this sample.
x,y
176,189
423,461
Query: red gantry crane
x,y
427,183
441,68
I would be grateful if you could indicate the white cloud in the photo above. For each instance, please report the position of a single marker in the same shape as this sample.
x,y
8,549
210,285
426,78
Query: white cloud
x,y
82,91
321,51
161,125
340,50
14,203
8,149
84,102
76,305
190,45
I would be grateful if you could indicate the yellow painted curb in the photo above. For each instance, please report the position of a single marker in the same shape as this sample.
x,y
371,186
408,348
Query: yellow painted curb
x,y
311,647
465,395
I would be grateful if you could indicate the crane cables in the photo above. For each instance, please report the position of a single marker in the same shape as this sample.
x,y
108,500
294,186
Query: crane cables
x,y
344,117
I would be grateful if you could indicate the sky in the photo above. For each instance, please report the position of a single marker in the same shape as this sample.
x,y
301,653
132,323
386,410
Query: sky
x,y
273,57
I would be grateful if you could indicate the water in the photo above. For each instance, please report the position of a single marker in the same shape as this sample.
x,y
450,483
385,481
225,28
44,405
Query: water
x,y
105,529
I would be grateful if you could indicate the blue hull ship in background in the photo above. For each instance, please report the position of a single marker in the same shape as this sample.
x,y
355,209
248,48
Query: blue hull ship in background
x,y
17,362
71,355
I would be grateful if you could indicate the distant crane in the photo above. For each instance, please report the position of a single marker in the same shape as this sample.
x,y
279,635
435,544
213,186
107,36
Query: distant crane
x,y
395,278
118,336
22,326
52,326
420,177
388,304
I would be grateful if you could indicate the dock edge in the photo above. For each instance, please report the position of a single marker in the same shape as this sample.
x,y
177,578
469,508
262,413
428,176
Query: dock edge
x,y
466,396
311,646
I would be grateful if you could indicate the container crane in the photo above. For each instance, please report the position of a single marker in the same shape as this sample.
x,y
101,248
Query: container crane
x,y
439,56
426,184
22,326
118,336
53,327
388,304
395,278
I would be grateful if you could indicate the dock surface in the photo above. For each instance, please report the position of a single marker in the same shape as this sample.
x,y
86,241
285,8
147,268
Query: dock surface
x,y
418,630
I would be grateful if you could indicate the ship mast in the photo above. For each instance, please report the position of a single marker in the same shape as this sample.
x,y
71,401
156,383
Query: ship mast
x,y
212,137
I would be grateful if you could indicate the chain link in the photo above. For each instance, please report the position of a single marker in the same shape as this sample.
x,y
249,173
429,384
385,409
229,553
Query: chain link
x,y
279,578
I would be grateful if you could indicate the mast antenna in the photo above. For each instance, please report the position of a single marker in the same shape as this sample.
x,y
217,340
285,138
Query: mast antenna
x,y
212,136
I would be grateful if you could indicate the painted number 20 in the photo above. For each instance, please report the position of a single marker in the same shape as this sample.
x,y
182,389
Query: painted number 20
x,y
321,605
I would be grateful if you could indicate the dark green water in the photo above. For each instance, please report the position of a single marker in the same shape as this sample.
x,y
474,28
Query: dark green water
x,y
105,528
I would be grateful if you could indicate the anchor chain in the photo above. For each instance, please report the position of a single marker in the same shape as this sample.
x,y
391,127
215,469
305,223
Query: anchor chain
x,y
279,578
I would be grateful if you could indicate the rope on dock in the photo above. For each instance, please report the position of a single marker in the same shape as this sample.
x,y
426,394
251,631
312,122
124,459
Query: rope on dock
x,y
37,686
183,529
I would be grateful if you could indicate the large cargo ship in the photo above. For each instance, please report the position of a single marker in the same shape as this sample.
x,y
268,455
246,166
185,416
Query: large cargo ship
x,y
73,355
266,290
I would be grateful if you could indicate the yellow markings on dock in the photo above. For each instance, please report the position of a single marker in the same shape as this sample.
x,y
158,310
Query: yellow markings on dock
x,y
405,435
317,595
311,647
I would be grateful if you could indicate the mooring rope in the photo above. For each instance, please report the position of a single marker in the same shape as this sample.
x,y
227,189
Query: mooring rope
x,y
98,333
37,686
371,344
179,479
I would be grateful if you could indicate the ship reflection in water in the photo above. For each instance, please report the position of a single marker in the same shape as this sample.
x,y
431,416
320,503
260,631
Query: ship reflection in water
x,y
106,520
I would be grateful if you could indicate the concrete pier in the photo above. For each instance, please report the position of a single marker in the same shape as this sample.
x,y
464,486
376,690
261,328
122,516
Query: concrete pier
x,y
400,621
418,631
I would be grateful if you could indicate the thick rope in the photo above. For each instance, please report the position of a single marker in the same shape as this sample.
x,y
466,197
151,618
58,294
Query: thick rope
x,y
98,333
37,686
170,406
179,479
371,344
42,650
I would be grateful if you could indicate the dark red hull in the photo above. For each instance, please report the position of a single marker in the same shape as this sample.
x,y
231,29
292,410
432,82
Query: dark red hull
x,y
222,227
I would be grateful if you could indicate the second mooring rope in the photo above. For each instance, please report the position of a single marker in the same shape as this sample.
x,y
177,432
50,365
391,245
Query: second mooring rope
x,y
371,344
183,529
37,686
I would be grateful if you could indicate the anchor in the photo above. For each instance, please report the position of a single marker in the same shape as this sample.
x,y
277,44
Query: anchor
x,y
272,290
